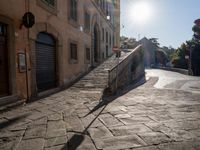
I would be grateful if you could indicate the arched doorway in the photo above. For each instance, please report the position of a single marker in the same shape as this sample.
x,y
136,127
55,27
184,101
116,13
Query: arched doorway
x,y
4,79
96,45
45,62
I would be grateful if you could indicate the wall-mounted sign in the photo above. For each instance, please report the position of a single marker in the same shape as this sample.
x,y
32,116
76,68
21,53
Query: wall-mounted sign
x,y
28,20
22,62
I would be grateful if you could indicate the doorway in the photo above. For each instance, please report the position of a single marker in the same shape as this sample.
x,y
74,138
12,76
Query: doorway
x,y
45,62
4,79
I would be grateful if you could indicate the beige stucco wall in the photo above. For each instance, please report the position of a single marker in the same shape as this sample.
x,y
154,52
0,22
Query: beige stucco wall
x,y
58,25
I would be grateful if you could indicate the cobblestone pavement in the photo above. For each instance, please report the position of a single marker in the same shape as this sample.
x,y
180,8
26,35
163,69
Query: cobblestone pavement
x,y
144,118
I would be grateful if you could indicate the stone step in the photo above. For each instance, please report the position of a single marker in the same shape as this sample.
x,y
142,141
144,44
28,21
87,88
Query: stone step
x,y
97,78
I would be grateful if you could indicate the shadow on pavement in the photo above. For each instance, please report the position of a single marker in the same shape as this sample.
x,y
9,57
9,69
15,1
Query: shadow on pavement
x,y
108,99
75,141
12,121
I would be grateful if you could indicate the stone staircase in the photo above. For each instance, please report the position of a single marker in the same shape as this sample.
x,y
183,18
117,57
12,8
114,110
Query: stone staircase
x,y
65,116
98,78
92,86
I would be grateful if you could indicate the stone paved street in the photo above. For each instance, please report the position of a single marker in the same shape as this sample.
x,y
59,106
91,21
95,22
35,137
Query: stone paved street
x,y
142,118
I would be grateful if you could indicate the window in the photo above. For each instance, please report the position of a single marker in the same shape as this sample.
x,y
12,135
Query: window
x,y
98,2
50,3
2,29
101,4
73,53
87,21
106,37
87,55
103,55
106,51
107,9
73,10
110,40
103,34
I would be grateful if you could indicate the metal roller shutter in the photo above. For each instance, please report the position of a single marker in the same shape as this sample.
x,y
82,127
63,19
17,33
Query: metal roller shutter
x,y
4,88
45,63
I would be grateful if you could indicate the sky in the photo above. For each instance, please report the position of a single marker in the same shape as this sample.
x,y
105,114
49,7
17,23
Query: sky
x,y
170,21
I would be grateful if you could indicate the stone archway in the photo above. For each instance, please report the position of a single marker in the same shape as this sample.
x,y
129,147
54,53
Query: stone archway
x,y
96,44
45,62
50,30
4,80
95,31
7,60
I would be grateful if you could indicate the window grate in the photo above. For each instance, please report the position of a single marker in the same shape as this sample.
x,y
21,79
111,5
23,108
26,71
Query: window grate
x,y
50,3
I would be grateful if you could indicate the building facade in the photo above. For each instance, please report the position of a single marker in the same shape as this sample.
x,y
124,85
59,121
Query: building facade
x,y
66,40
149,52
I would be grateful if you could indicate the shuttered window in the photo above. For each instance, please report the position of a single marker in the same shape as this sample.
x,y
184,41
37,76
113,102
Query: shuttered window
x,y
45,62
106,37
87,21
73,53
103,34
87,55
73,10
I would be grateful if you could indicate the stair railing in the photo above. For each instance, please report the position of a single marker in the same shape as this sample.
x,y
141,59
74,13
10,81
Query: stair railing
x,y
119,67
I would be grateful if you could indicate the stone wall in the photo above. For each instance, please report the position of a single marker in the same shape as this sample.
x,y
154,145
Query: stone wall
x,y
130,69
54,21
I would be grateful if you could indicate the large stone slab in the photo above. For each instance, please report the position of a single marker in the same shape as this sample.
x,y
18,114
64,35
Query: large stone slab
x,y
121,142
129,129
73,123
177,146
31,144
154,138
99,132
91,121
61,140
135,120
109,120
55,129
55,117
35,132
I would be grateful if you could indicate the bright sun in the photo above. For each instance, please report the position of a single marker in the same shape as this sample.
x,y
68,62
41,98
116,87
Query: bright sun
x,y
141,12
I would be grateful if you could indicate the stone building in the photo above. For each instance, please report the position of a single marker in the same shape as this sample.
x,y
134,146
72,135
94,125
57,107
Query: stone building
x,y
128,43
68,38
149,52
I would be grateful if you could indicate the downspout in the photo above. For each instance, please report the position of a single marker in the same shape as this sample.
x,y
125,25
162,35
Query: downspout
x,y
27,70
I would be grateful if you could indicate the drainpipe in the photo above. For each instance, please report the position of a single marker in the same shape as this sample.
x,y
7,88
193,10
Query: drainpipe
x,y
27,4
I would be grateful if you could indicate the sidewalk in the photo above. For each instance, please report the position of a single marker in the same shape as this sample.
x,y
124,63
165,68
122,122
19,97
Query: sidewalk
x,y
143,119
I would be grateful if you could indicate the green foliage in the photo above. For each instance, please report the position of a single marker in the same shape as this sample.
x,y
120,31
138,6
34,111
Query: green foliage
x,y
169,52
178,58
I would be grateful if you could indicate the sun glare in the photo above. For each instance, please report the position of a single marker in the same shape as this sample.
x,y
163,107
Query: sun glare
x,y
140,12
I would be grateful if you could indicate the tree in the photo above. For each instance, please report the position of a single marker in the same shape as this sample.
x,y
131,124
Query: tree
x,y
178,58
155,41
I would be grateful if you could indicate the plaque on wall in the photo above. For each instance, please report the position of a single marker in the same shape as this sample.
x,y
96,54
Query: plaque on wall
x,y
22,62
